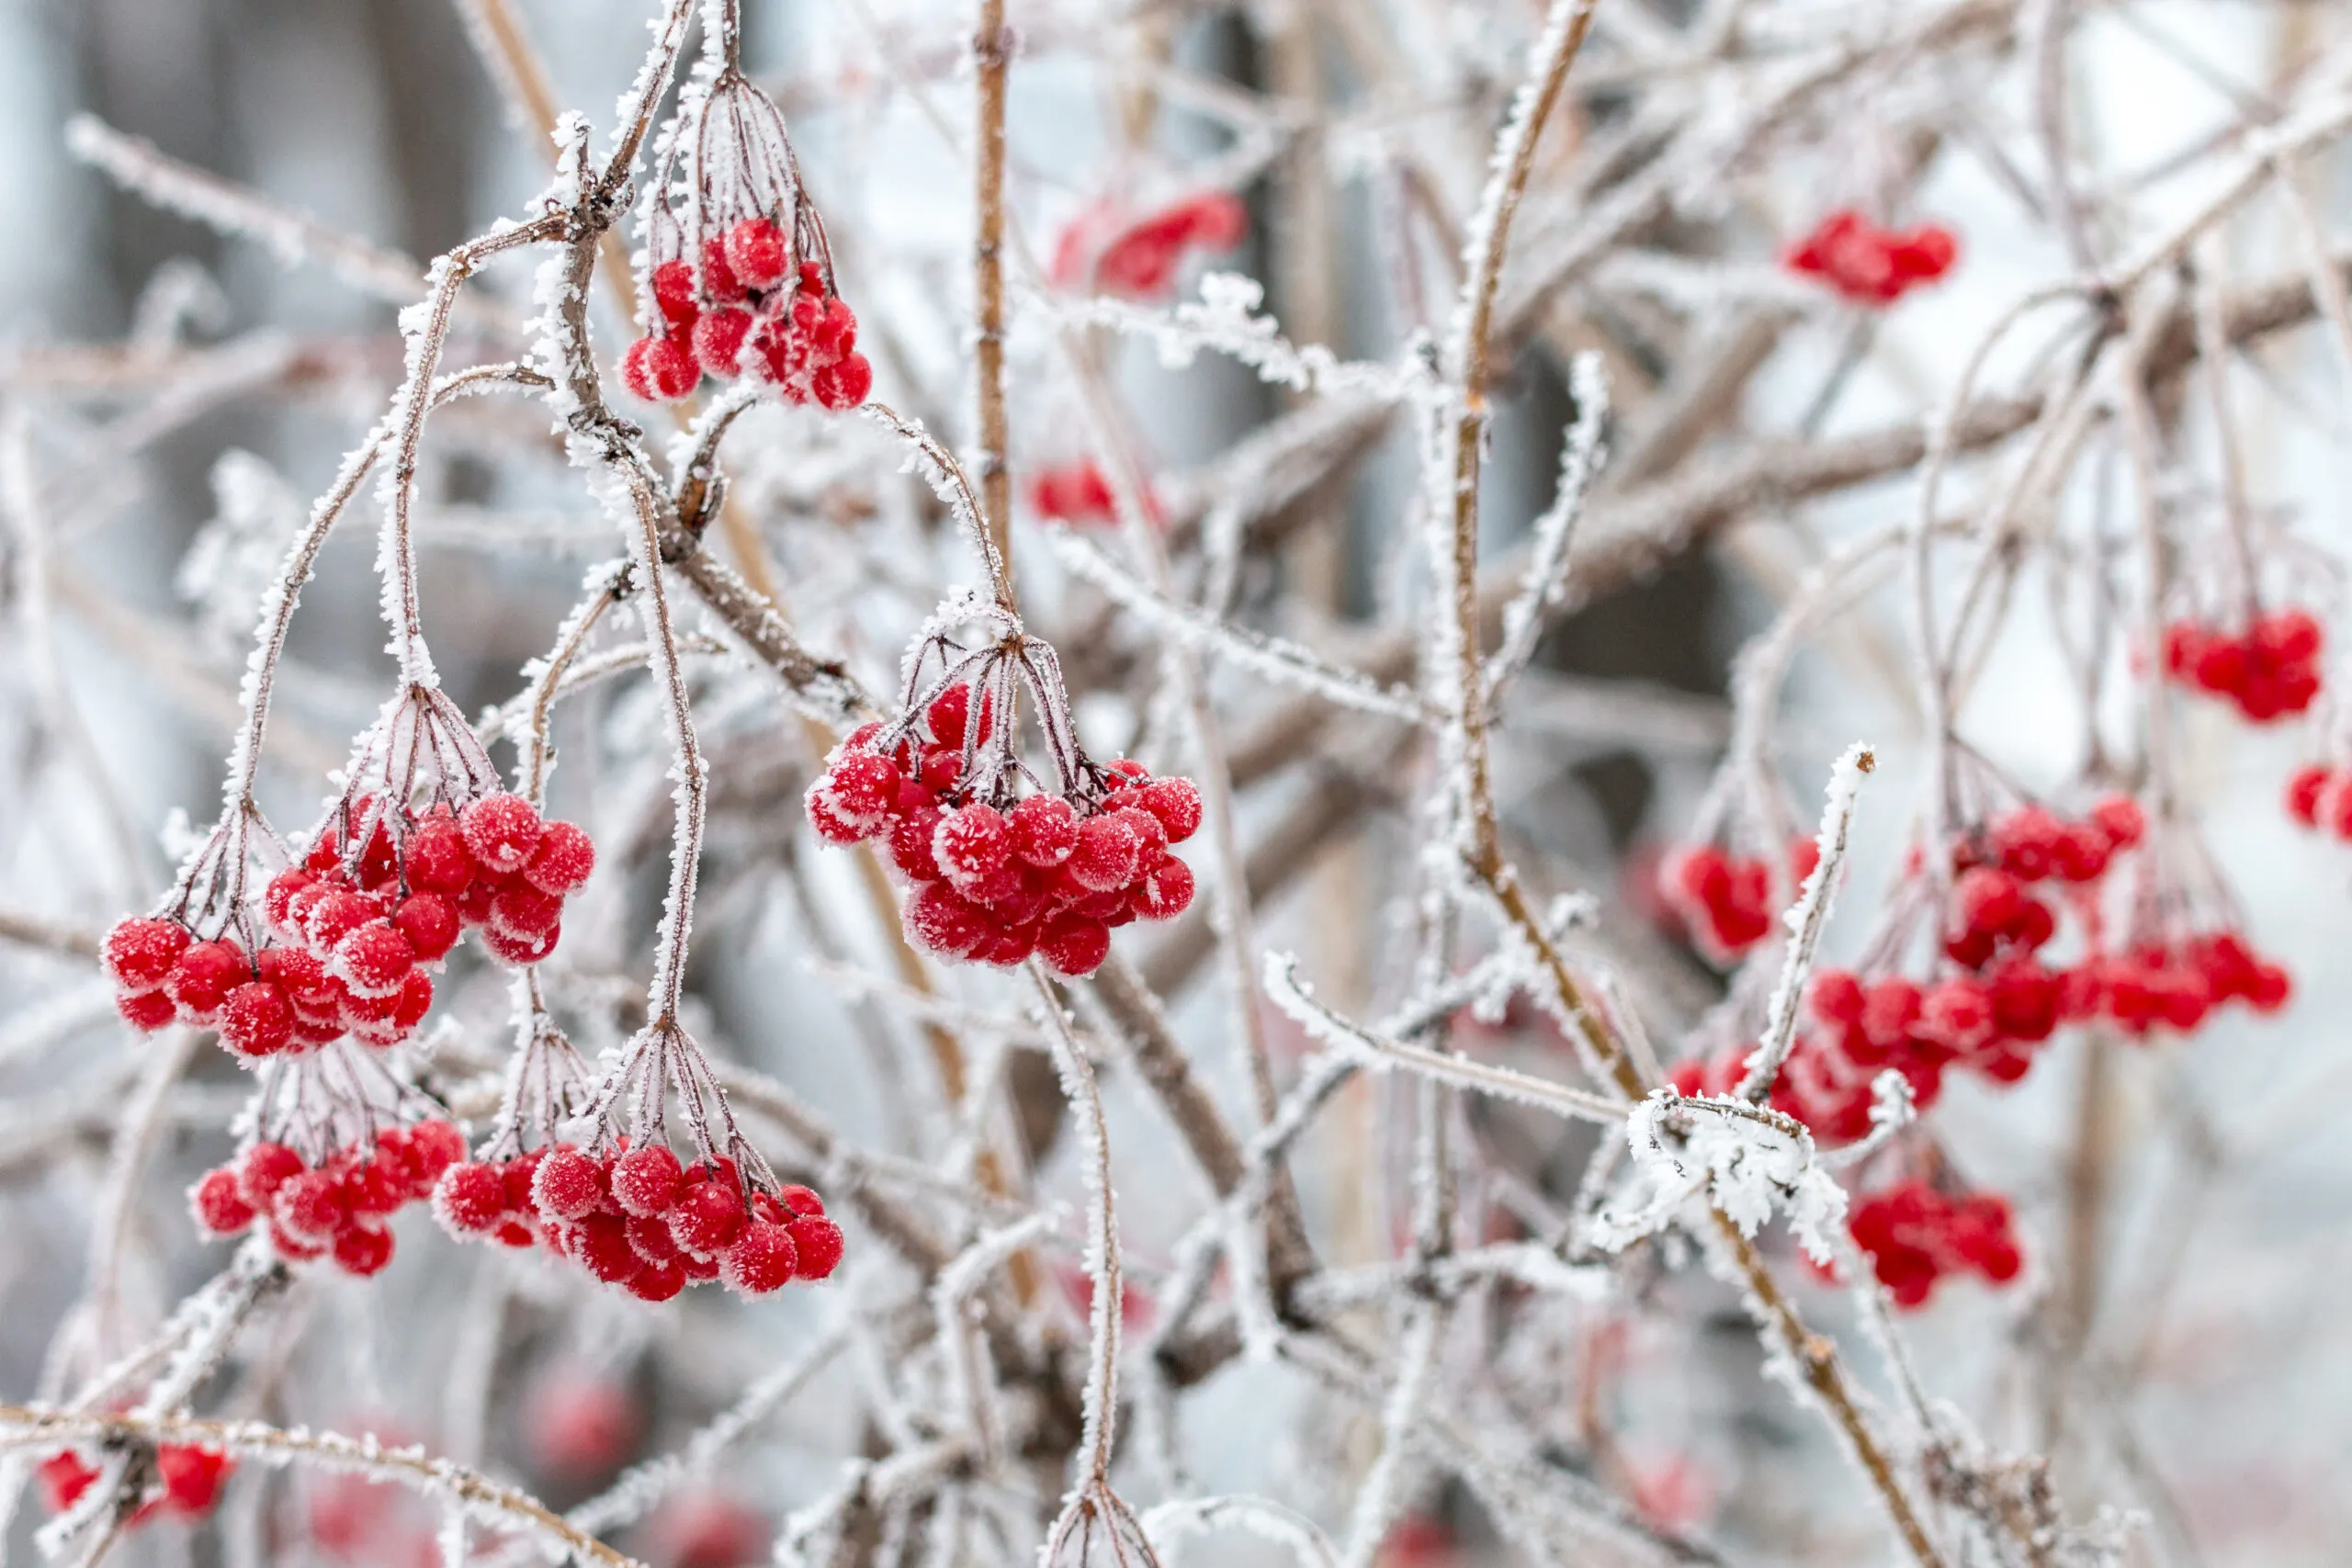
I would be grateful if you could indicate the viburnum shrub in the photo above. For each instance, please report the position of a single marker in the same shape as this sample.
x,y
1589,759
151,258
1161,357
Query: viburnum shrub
x,y
1869,264
1110,249
999,862
739,280
2270,671
1511,526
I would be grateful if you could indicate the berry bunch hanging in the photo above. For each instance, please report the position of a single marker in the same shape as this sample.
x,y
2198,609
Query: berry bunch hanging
x,y
343,941
340,1207
739,279
1000,866
1871,265
2269,671
639,1219
1917,1235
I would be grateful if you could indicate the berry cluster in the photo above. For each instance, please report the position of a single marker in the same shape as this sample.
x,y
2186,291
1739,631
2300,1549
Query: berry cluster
x,y
338,1207
1050,873
1916,1235
1138,259
1869,264
1725,901
190,1478
2177,985
2321,796
639,1219
1075,493
729,313
356,929
2269,671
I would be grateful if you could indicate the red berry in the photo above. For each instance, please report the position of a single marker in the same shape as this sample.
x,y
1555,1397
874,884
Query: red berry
x,y
374,960
834,822
948,714
471,1198
761,1260
674,293
1073,945
191,1476
563,861
256,1020
756,253
203,977
660,369
970,843
1104,857
599,1243
363,1249
845,385
437,860
149,1010
220,1203
568,1184
501,831
819,1242
336,915
309,1207
523,950
798,1200
139,953
941,920
706,1217
863,787
1177,804
646,1181
522,911
658,1281
1164,891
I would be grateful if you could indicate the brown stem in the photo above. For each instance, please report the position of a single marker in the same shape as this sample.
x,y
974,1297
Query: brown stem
x,y
990,53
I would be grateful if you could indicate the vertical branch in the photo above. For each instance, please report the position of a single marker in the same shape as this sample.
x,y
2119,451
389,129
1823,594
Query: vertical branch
x,y
990,50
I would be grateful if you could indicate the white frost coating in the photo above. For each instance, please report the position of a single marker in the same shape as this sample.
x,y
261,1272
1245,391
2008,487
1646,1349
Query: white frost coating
x,y
1747,1163
1274,657
1170,1525
1352,1041
1807,920
201,197
1226,320
234,559
1378,1501
1581,457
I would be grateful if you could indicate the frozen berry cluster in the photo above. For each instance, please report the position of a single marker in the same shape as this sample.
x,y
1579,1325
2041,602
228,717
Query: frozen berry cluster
x,y
1726,901
639,1219
1917,1234
2269,671
356,931
1869,264
740,307
2177,985
190,1479
339,1207
1138,258
1049,875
